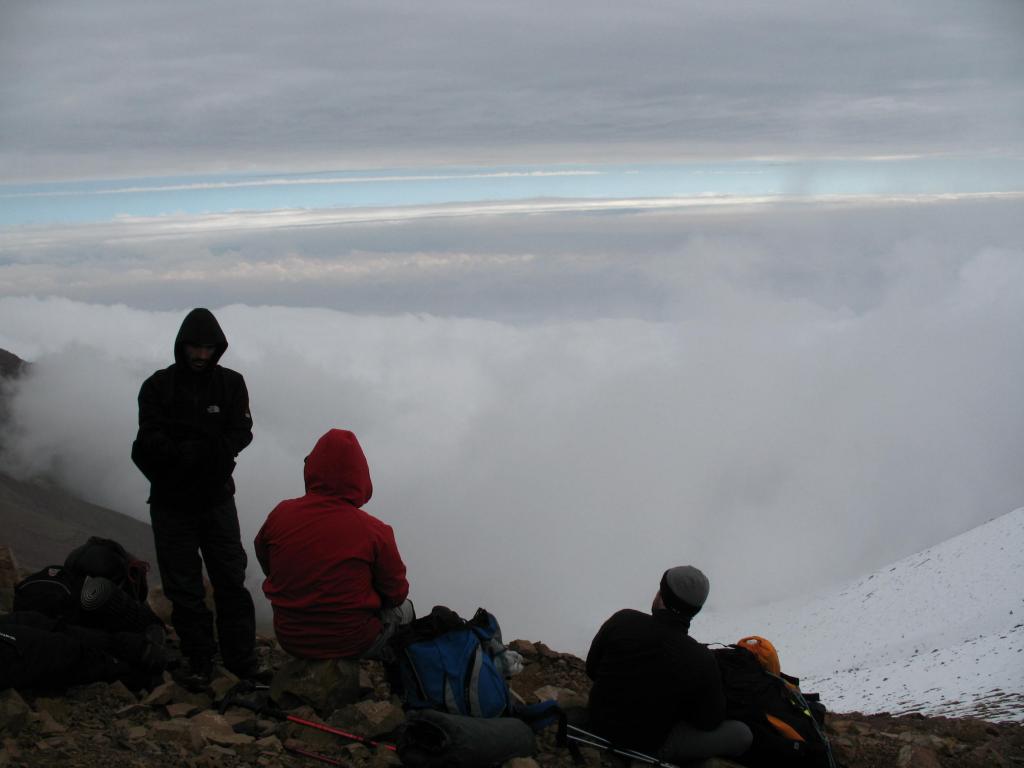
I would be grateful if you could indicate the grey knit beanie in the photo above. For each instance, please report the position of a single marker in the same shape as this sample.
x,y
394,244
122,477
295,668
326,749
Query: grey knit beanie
x,y
684,589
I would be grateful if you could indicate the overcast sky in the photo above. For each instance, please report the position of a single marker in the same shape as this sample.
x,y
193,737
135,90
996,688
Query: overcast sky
x,y
602,287
112,89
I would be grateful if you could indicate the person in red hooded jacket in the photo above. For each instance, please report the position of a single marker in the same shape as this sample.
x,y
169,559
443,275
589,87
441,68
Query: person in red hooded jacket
x,y
335,579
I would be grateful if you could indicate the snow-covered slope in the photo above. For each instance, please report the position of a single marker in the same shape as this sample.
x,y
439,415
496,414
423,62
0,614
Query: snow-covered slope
x,y
940,632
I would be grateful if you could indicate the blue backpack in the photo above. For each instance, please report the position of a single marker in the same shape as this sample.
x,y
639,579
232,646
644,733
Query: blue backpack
x,y
447,663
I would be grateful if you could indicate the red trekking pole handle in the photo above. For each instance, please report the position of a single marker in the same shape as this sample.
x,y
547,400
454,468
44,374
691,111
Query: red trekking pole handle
x,y
338,732
231,698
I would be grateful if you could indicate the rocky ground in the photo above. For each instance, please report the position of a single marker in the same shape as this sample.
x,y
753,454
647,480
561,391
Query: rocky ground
x,y
108,725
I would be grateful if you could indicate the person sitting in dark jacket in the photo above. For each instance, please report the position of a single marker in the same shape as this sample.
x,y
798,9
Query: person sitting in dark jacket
x,y
656,689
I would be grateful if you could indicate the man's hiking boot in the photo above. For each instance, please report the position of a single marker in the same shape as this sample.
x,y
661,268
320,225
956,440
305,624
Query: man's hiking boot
x,y
250,669
156,656
196,675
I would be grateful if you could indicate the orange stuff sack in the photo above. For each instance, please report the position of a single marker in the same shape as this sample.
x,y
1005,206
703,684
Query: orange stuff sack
x,y
784,728
764,651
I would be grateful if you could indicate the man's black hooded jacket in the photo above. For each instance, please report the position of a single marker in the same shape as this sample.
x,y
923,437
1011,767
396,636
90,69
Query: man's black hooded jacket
x,y
192,424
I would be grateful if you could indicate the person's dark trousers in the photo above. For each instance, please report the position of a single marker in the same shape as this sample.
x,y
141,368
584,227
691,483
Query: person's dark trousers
x,y
181,531
685,744
36,657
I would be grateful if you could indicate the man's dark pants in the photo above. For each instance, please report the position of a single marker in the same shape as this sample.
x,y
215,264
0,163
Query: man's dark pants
x,y
180,532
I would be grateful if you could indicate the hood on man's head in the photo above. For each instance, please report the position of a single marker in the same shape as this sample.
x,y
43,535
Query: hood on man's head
x,y
337,467
200,328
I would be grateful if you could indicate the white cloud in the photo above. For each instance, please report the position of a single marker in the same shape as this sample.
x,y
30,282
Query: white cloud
x,y
571,258
786,421
301,181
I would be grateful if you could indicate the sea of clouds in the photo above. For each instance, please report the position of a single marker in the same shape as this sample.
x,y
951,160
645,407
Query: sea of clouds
x,y
785,401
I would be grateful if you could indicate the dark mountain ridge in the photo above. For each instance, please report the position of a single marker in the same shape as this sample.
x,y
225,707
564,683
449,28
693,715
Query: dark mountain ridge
x,y
42,522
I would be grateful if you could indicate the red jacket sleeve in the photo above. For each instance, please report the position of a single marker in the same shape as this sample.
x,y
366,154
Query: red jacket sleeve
x,y
389,571
262,552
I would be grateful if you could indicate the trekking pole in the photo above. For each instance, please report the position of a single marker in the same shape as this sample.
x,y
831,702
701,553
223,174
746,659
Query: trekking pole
x,y
336,731
232,698
314,755
593,740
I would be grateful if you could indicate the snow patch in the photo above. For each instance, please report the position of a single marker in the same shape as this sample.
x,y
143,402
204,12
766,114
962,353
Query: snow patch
x,y
940,632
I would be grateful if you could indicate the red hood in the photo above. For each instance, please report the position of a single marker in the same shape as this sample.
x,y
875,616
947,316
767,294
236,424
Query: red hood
x,y
337,467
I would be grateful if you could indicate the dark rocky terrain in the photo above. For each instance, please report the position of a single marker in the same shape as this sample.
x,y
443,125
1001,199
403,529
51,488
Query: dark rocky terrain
x,y
108,725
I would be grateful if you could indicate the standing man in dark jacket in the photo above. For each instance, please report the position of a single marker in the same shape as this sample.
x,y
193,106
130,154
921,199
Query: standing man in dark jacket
x,y
193,421
656,689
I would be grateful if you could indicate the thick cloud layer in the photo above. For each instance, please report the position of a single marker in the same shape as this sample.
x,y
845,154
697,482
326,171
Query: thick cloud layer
x,y
116,88
536,260
783,402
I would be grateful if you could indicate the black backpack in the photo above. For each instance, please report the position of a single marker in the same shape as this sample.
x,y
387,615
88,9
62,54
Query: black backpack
x,y
100,585
49,591
788,726
108,559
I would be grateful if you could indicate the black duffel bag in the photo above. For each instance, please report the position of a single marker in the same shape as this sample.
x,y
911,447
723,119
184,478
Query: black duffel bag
x,y
432,739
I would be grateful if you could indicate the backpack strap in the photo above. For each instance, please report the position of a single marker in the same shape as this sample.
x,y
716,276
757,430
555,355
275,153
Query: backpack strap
x,y
138,572
817,727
